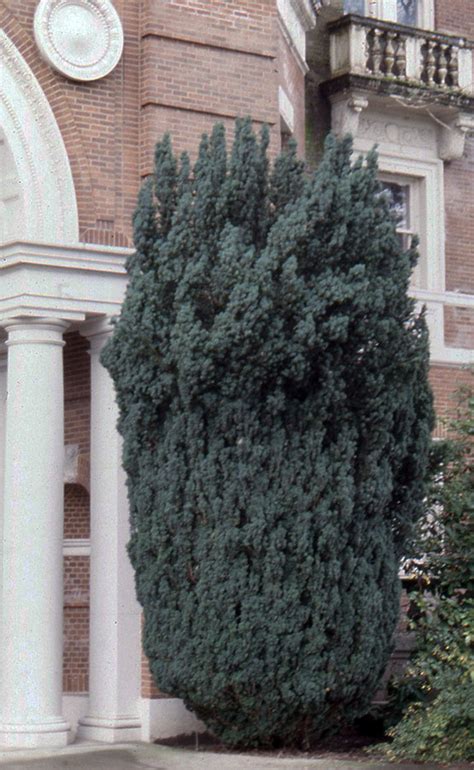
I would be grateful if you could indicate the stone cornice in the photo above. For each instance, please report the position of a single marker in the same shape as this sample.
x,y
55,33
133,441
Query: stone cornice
x,y
73,282
390,86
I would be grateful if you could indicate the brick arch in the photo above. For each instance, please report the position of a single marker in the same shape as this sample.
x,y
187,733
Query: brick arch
x,y
56,92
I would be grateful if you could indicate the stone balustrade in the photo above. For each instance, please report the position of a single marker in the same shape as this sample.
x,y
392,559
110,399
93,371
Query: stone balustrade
x,y
366,46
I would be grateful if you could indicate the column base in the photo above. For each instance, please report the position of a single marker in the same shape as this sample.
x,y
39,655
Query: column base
x,y
54,733
117,730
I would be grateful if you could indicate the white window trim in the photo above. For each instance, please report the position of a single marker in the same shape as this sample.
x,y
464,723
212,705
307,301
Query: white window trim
x,y
416,219
427,176
387,10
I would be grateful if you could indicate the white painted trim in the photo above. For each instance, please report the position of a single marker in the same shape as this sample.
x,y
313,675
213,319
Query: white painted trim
x,y
74,707
287,111
81,256
297,17
72,282
76,547
430,176
445,297
427,173
387,10
435,303
167,718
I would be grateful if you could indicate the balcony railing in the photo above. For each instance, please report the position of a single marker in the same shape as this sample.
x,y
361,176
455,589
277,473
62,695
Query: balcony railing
x,y
394,52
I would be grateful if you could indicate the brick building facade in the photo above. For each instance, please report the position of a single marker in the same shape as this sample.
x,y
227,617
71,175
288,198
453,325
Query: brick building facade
x,y
86,89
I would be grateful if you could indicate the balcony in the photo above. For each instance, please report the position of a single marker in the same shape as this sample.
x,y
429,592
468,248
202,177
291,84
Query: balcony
x,y
388,63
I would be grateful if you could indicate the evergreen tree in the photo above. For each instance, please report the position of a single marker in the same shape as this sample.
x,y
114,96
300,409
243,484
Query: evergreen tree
x,y
272,383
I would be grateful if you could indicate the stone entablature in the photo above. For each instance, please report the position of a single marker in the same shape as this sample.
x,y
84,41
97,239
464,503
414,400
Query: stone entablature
x,y
77,281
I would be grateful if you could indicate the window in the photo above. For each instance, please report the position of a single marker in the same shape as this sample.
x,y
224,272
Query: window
x,y
415,13
355,6
404,196
398,197
408,11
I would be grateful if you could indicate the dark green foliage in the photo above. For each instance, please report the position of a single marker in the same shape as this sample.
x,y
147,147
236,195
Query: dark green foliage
x,y
272,384
438,724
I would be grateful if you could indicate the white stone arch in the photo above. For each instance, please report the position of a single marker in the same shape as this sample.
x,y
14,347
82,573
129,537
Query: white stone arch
x,y
35,160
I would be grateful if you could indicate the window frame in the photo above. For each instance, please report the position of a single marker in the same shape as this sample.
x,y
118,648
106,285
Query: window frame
x,y
425,178
387,11
417,220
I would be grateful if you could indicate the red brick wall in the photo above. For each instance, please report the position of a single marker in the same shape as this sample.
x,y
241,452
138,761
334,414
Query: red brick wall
x,y
77,392
204,62
185,66
76,512
459,327
445,381
76,516
148,686
98,122
76,624
455,16
459,197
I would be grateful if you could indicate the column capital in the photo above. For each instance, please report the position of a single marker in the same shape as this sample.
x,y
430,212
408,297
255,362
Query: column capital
x,y
97,331
27,331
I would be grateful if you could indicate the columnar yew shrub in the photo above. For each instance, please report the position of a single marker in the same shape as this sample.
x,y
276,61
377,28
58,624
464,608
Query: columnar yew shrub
x,y
272,383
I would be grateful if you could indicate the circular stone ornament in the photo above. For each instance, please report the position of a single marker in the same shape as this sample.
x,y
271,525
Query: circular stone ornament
x,y
81,39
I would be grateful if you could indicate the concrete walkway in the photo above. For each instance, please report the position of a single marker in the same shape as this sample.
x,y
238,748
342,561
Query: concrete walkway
x,y
88,756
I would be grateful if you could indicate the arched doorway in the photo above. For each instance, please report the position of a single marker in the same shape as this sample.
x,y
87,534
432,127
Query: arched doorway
x,y
37,198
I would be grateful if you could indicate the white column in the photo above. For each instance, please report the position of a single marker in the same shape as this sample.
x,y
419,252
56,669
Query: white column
x,y
3,398
32,601
114,667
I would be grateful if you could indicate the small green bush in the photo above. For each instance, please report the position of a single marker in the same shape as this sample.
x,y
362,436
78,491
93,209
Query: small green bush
x,y
438,724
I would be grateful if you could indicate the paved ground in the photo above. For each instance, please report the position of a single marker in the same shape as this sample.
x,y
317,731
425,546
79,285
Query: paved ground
x,y
140,756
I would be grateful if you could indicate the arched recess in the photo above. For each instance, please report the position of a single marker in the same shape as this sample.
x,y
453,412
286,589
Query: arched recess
x,y
36,161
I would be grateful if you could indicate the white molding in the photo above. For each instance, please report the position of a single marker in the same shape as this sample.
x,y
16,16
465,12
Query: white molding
x,y
38,151
440,353
346,111
76,547
386,9
409,150
287,111
452,298
72,282
167,718
452,137
429,174
81,39
297,17
435,302
75,707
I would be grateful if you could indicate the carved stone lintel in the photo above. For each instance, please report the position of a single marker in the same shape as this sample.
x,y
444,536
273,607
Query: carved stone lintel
x,y
345,113
453,137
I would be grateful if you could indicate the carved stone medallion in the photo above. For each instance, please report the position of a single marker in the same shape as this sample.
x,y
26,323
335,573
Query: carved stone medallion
x,y
81,39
